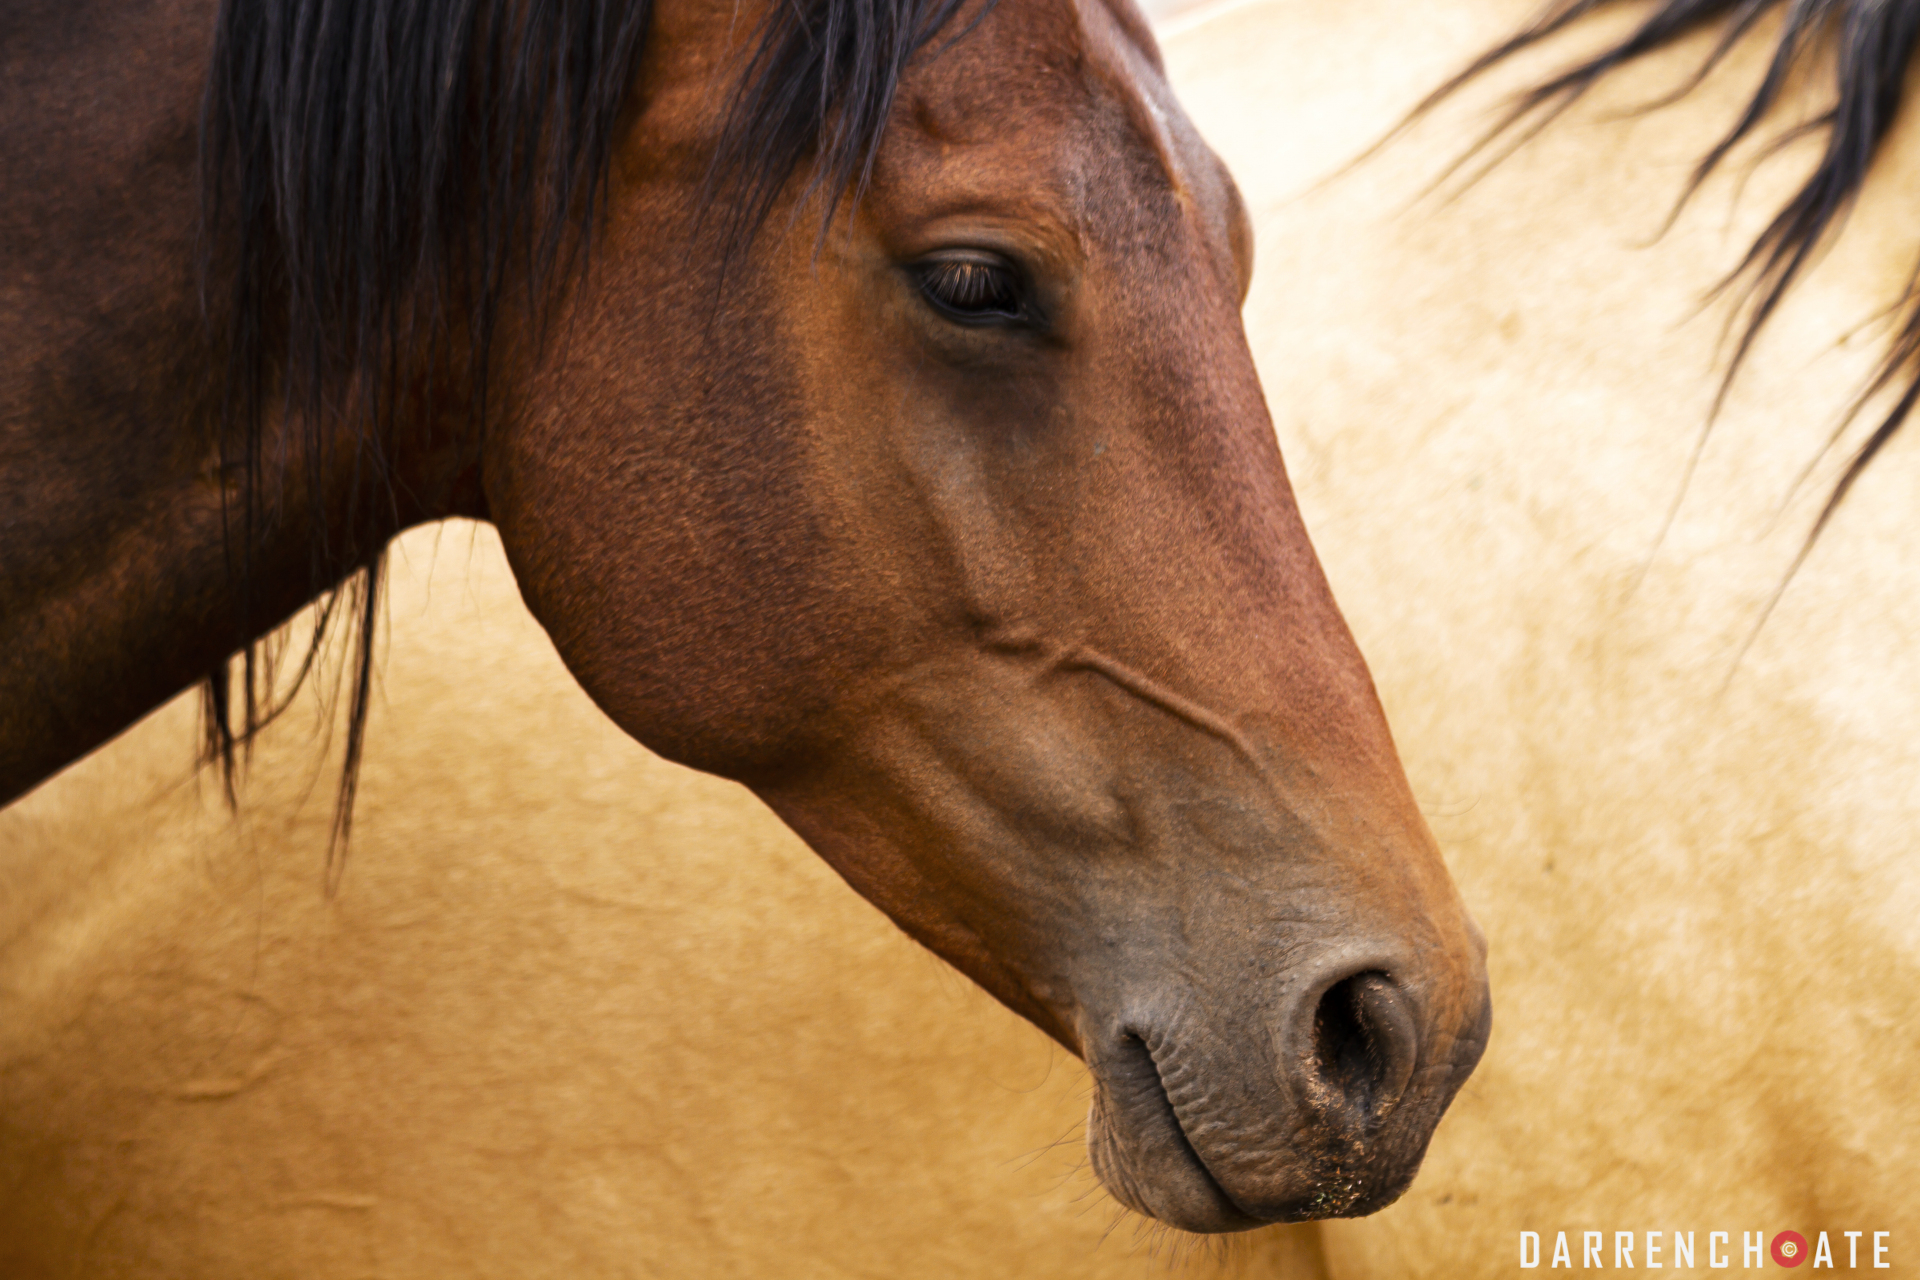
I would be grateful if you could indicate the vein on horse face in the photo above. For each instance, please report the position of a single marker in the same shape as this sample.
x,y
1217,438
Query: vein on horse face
x,y
1087,658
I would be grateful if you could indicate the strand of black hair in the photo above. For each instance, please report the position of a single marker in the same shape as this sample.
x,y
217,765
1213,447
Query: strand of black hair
x,y
1864,48
820,82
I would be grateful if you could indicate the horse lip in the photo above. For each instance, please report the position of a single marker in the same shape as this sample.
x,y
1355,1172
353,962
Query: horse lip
x,y
1145,1102
1165,1099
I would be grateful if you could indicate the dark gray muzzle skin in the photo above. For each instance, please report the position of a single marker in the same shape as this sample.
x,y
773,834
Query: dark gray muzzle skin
x,y
1278,1040
1325,1110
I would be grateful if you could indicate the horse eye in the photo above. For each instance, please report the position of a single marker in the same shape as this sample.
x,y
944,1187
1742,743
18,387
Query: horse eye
x,y
974,289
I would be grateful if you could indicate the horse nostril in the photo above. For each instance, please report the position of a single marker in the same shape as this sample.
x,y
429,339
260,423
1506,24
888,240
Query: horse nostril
x,y
1364,1044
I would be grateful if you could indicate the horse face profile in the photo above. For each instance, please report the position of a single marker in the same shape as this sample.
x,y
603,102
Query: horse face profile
x,y
1012,616
957,531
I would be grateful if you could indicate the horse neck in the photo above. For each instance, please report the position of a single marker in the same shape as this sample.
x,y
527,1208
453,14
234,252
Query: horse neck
x,y
121,560
131,570
132,567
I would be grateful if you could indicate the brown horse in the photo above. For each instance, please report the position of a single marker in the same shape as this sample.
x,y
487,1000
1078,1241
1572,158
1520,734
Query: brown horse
x,y
861,395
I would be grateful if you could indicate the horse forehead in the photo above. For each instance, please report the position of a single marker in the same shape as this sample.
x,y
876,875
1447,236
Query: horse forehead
x,y
1056,67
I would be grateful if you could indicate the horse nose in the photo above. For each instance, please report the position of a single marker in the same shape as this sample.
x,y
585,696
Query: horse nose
x,y
1362,1050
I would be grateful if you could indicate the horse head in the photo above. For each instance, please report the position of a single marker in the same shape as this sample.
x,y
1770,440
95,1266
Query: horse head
x,y
958,531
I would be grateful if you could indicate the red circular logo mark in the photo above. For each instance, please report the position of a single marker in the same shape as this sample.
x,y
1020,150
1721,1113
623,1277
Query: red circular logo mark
x,y
1789,1248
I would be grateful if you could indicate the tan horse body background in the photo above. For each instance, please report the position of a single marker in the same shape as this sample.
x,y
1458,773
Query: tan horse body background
x,y
586,1013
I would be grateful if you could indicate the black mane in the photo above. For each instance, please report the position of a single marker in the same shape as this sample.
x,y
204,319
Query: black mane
x,y
377,172
1865,48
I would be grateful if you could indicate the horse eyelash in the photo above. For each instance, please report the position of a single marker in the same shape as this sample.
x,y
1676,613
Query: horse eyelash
x,y
972,289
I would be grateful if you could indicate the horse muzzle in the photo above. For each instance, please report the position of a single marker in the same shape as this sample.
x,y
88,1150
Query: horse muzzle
x,y
1320,1107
